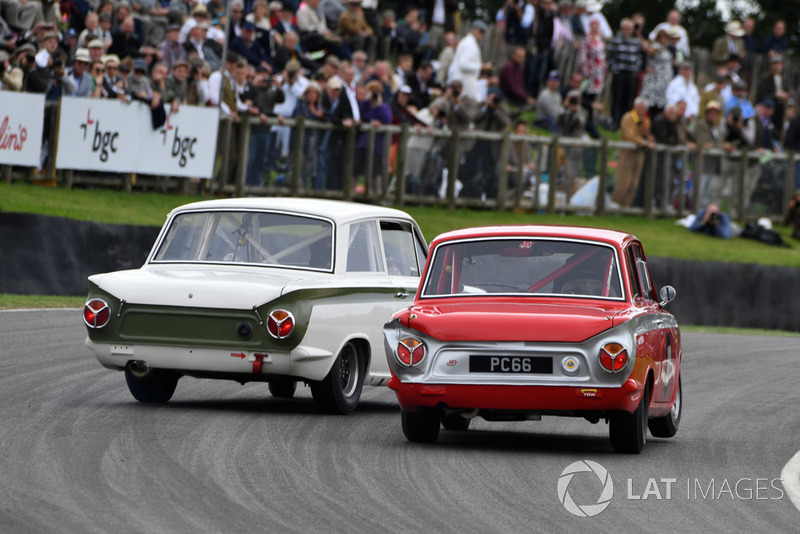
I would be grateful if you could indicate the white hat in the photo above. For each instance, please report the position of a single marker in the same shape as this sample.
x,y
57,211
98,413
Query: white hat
x,y
593,6
734,28
82,54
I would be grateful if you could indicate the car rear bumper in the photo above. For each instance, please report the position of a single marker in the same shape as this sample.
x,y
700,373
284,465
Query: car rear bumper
x,y
414,396
302,362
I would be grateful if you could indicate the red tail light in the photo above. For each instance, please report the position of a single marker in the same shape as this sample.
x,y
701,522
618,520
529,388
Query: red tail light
x,y
613,357
96,313
410,351
280,324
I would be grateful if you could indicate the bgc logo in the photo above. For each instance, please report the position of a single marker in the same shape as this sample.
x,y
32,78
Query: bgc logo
x,y
585,510
181,146
102,141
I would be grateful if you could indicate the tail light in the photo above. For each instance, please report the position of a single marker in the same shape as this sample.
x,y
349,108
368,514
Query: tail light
x,y
280,324
613,357
410,351
96,313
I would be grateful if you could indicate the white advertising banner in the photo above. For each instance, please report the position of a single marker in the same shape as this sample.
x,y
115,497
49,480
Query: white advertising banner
x,y
114,136
21,126
98,135
186,145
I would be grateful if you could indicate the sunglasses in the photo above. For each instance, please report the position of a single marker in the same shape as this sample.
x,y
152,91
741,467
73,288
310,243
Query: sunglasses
x,y
99,70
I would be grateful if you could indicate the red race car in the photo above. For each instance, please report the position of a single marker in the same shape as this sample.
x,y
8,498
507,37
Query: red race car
x,y
517,322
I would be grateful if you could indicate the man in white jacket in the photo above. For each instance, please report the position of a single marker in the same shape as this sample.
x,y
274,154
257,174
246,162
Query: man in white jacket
x,y
467,62
682,88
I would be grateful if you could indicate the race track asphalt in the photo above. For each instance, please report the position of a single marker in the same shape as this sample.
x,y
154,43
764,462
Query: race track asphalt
x,y
79,454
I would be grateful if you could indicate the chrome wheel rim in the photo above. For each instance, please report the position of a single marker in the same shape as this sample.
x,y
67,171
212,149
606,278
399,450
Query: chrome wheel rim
x,y
675,412
348,370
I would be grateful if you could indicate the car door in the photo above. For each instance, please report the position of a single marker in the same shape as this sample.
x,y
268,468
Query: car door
x,y
405,253
655,327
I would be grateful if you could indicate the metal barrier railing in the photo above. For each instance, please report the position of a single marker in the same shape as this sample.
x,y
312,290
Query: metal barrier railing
x,y
406,165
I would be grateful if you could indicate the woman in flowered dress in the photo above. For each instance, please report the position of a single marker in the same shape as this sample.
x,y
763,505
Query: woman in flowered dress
x,y
659,73
592,61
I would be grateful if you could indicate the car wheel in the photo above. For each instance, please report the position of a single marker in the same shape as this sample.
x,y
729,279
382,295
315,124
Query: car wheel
x,y
420,427
667,426
455,422
154,387
628,431
283,389
338,393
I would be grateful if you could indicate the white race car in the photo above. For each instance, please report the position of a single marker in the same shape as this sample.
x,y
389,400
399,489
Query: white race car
x,y
278,290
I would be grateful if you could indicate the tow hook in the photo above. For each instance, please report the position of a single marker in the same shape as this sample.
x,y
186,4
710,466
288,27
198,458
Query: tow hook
x,y
258,364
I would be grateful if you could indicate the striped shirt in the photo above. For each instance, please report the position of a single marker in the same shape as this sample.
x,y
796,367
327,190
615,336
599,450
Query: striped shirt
x,y
624,54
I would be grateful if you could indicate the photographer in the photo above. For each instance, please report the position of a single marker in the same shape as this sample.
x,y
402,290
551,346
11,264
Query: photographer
x,y
711,221
573,124
376,112
478,172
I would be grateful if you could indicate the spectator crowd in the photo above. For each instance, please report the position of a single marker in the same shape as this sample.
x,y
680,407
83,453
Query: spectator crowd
x,y
351,62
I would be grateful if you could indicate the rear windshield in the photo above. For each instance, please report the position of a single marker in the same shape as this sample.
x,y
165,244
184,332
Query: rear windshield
x,y
243,237
524,267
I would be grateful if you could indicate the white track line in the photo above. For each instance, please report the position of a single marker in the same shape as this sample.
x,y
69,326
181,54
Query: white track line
x,y
790,476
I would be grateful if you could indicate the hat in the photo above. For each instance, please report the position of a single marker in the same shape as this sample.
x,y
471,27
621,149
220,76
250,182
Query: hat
x,y
767,103
333,61
777,58
287,6
564,3
313,85
95,43
405,89
202,26
592,6
684,65
292,65
54,35
104,16
721,77
82,54
174,27
478,24
734,28
334,83
139,64
180,63
553,75
71,32
494,90
574,93
674,31
247,25
733,57
110,57
123,67
740,85
200,9
354,2
712,105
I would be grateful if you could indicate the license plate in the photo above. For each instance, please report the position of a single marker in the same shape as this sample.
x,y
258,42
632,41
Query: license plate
x,y
511,364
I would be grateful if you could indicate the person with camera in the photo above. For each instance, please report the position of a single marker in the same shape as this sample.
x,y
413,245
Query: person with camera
x,y
375,112
572,124
479,170
712,221
634,127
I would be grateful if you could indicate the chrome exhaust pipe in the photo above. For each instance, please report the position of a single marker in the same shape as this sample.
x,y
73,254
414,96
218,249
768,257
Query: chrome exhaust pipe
x,y
139,368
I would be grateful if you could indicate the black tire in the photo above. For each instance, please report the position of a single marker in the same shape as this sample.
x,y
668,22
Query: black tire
x,y
455,422
420,427
283,388
156,387
338,393
667,426
628,431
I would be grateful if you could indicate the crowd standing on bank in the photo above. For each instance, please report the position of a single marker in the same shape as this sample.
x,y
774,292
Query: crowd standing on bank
x,y
352,62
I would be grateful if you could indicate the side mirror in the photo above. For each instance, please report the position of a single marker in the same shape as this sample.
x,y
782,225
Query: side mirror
x,y
667,295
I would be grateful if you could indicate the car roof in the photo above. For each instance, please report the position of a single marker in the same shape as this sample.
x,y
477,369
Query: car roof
x,y
614,237
337,210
